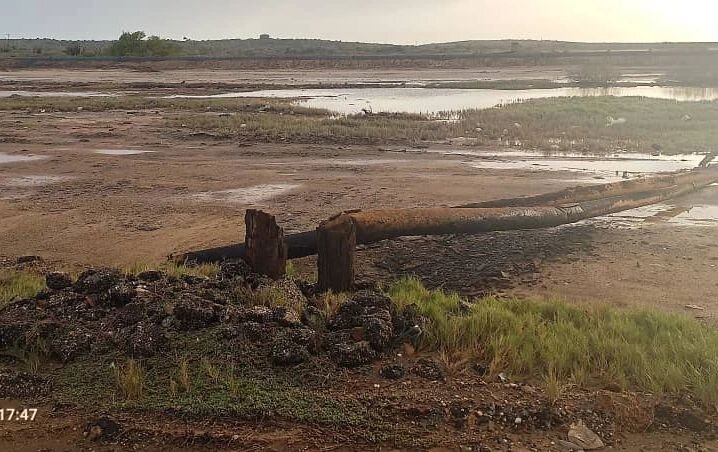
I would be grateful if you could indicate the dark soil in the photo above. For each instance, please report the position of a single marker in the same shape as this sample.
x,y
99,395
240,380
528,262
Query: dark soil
x,y
353,377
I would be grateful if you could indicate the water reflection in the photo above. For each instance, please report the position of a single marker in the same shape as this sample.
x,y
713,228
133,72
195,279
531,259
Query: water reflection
x,y
431,101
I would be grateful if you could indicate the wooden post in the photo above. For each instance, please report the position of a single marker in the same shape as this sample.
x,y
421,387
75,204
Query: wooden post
x,y
266,250
336,244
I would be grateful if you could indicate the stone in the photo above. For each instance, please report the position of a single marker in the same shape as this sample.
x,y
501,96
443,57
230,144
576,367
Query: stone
x,y
314,318
58,281
144,339
97,281
287,353
344,351
120,295
392,372
193,314
584,437
428,370
22,385
71,345
150,276
234,269
102,429
286,317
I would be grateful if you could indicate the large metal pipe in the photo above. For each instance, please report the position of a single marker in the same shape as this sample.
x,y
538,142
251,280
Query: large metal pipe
x,y
699,176
542,211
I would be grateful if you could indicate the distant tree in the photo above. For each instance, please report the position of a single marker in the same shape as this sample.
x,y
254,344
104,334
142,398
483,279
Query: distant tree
x,y
139,45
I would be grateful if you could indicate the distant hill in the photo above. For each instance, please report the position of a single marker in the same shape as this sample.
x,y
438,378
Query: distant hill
x,y
283,48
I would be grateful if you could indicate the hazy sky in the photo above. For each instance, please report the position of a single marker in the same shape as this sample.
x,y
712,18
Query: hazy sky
x,y
395,21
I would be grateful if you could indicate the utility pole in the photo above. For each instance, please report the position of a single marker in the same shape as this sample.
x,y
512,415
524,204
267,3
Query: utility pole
x,y
7,42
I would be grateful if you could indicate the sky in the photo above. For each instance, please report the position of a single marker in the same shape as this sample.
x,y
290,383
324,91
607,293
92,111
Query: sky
x,y
386,21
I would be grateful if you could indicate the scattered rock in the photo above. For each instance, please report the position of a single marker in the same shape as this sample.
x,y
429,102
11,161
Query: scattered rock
x,y
344,351
20,385
144,339
252,331
392,372
681,417
584,437
286,317
120,295
97,281
428,370
150,276
102,429
314,318
24,260
71,345
379,331
193,313
58,281
12,333
258,314
286,352
234,269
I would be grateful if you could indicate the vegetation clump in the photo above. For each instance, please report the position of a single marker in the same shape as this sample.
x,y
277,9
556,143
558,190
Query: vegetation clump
x,y
137,44
653,351
16,284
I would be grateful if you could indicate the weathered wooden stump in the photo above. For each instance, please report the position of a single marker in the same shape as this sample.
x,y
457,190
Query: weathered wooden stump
x,y
266,249
336,244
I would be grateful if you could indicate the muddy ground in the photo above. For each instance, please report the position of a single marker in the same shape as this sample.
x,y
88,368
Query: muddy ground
x,y
76,207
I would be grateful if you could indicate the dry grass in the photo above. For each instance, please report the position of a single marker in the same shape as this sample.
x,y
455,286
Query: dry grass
x,y
329,303
33,354
18,284
184,376
173,269
652,351
130,380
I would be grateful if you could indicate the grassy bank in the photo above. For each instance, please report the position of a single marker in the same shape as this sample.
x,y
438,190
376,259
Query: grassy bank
x,y
19,284
661,353
107,103
301,128
551,125
583,124
586,125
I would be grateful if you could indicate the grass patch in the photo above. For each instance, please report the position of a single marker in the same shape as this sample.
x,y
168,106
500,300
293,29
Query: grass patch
x,y
130,380
271,297
657,352
303,128
215,388
173,269
98,104
18,284
329,303
580,125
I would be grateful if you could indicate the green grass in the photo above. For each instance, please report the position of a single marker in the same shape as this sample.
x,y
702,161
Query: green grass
x,y
199,385
652,351
580,124
304,128
551,125
18,284
98,104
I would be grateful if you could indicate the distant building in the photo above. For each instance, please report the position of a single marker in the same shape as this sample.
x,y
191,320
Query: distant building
x,y
264,37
